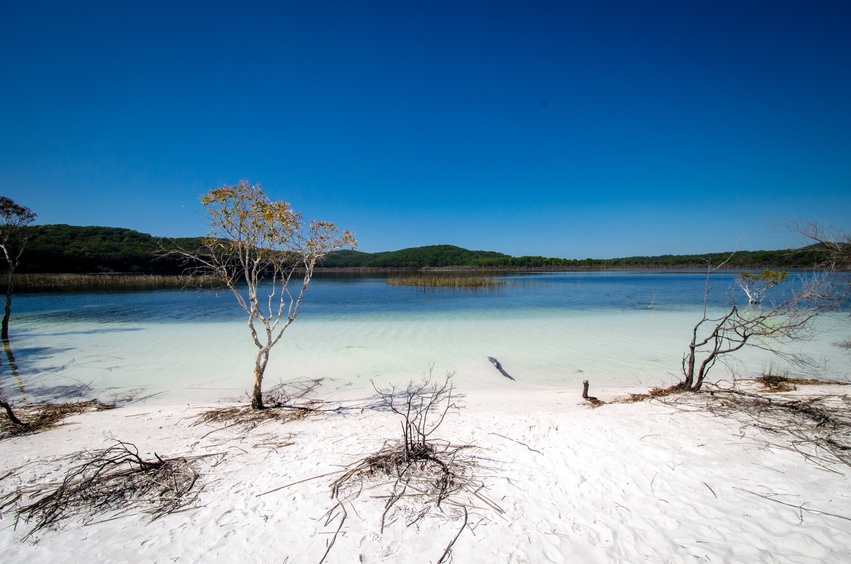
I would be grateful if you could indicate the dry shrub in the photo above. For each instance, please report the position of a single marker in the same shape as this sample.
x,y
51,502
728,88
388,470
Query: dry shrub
x,y
417,476
775,383
36,418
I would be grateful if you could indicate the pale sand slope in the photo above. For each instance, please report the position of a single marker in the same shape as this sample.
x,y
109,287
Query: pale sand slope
x,y
622,483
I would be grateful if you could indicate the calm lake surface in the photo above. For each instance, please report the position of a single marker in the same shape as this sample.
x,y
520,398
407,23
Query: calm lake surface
x,y
546,329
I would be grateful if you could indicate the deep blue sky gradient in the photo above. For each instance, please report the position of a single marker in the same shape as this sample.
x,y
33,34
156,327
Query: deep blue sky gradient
x,y
569,129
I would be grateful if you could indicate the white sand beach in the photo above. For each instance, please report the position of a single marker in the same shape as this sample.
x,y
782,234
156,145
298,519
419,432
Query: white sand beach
x,y
558,481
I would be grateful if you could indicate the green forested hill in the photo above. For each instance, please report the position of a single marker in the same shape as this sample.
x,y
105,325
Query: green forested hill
x,y
74,249
434,256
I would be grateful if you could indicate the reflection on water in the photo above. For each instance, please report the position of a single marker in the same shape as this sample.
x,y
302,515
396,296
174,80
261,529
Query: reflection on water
x,y
552,329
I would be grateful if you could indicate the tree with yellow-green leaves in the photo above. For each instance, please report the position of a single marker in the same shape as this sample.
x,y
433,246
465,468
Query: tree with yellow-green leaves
x,y
252,240
756,285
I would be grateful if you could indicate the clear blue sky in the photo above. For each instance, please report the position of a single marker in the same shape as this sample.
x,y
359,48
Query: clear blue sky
x,y
570,129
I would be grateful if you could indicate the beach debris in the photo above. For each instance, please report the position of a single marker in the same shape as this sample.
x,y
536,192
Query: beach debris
x,y
594,401
112,483
279,406
247,418
813,424
498,366
35,418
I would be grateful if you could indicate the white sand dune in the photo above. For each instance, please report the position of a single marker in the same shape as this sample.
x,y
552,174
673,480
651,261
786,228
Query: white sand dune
x,y
645,482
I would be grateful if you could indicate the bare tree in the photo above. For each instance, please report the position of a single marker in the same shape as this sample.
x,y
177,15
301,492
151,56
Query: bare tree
x,y
765,327
833,243
13,239
254,240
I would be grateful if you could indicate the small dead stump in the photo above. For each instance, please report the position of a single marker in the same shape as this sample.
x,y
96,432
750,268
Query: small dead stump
x,y
590,399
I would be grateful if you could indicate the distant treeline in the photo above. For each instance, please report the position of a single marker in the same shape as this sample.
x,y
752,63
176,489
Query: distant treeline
x,y
447,256
73,249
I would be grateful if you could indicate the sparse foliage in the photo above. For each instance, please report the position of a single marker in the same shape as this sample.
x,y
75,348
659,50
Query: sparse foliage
x,y
756,285
13,239
253,240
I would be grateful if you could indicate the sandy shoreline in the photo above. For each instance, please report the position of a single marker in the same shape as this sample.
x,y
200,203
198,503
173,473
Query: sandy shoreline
x,y
559,482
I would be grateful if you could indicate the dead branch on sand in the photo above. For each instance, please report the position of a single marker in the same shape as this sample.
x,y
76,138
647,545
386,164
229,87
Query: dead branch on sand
x,y
35,418
815,425
113,482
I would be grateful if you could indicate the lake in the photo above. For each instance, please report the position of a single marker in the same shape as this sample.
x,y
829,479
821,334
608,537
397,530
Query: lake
x,y
546,329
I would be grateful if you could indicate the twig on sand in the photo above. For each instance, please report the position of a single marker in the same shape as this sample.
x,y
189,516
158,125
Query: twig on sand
x,y
339,527
417,474
449,546
301,482
800,508
515,441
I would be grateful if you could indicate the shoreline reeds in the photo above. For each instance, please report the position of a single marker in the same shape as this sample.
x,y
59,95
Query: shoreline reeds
x,y
48,282
447,281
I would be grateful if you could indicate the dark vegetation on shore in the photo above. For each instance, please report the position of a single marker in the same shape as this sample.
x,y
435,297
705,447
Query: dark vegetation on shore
x,y
109,251
447,256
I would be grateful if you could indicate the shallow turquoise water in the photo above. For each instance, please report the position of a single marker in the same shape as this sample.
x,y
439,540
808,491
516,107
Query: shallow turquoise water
x,y
546,329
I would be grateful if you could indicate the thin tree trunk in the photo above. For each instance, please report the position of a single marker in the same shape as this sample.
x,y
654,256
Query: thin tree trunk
x,y
11,414
7,311
257,394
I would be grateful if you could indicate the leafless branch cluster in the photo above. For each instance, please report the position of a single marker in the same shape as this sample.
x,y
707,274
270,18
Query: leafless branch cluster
x,y
111,482
422,406
834,243
418,476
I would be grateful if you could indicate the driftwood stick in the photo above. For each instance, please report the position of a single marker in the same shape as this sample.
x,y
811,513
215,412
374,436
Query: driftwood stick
x,y
449,547
498,366
301,482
